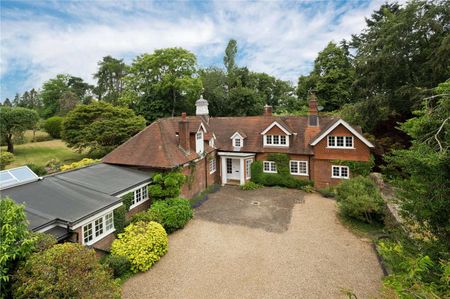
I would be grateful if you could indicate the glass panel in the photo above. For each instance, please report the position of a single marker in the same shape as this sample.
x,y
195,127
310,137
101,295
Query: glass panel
x,y
237,142
344,172
266,166
109,223
335,171
349,141
339,141
302,167
283,139
229,165
269,139
98,227
6,177
22,174
276,139
294,167
87,232
273,167
331,141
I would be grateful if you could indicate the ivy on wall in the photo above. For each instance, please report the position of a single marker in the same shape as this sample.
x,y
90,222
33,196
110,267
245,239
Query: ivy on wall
x,y
357,167
191,177
120,212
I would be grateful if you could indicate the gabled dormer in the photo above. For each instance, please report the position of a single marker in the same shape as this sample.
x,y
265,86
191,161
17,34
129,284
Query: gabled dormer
x,y
200,139
237,140
276,135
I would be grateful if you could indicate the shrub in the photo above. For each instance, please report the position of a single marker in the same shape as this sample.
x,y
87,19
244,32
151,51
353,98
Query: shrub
x,y
327,192
39,170
6,158
53,126
147,216
251,186
173,213
66,270
143,244
43,138
308,189
360,198
119,265
166,185
81,163
119,219
43,241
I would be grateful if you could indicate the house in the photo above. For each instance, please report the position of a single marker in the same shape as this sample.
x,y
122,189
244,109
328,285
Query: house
x,y
212,150
77,205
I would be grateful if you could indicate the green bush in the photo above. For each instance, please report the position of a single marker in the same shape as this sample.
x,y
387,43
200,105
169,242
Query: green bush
x,y
142,243
327,192
308,189
147,216
360,198
6,158
43,241
251,186
67,270
119,219
166,185
282,178
53,126
37,169
119,265
43,138
173,213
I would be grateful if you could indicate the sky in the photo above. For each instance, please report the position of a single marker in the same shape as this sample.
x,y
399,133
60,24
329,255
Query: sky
x,y
40,39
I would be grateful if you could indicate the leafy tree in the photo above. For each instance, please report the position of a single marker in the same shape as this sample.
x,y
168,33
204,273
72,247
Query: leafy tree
x,y
422,172
16,241
230,56
67,102
400,56
110,79
331,78
7,103
16,100
53,126
100,127
54,89
14,121
214,81
246,101
29,99
67,270
163,83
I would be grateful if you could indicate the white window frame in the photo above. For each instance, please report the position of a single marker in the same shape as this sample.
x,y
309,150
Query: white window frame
x,y
340,176
332,141
272,166
248,172
92,227
269,140
199,135
240,140
298,162
143,190
212,165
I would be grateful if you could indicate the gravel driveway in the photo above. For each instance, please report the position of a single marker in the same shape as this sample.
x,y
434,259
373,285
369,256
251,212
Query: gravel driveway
x,y
266,243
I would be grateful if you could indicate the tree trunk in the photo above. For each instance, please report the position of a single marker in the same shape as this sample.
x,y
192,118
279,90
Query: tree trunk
x,y
10,145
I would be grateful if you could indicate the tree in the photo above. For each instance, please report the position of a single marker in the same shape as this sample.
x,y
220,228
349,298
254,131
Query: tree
x,y
246,101
14,121
110,79
16,240
229,58
53,126
67,270
67,102
163,83
331,78
422,172
400,56
214,81
7,103
54,89
100,127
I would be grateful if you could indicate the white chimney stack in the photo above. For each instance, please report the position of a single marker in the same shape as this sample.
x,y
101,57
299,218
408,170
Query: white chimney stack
x,y
201,106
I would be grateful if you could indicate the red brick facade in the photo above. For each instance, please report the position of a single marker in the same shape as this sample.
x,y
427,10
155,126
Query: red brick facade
x,y
199,176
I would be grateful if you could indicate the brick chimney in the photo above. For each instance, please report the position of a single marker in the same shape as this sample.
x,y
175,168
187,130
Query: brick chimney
x,y
267,110
183,133
312,127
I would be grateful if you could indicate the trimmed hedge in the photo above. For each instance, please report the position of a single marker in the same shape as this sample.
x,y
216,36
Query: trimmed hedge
x,y
142,243
281,178
172,213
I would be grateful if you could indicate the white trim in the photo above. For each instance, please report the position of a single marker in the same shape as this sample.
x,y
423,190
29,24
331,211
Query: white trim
x,y
249,174
345,124
270,167
132,190
103,234
233,154
298,167
335,146
234,135
275,124
265,144
215,165
340,172
98,215
43,230
203,127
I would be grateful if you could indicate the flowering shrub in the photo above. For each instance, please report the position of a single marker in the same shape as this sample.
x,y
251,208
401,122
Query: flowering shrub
x,y
81,163
142,243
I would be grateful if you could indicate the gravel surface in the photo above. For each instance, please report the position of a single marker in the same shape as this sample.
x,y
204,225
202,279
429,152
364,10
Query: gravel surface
x,y
316,257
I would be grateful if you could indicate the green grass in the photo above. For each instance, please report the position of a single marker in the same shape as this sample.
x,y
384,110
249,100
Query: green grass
x,y
40,153
364,230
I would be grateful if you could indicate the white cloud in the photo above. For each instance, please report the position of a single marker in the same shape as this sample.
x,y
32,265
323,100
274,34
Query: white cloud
x,y
279,38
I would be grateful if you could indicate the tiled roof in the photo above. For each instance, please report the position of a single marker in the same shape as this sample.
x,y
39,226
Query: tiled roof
x,y
157,145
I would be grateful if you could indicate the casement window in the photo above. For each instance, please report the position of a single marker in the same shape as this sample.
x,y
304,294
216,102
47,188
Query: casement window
x,y
248,164
270,167
298,167
276,140
340,172
199,135
212,165
97,229
237,142
229,165
340,141
139,195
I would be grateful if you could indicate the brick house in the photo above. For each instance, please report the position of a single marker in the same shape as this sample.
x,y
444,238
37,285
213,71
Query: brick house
x,y
214,150
78,205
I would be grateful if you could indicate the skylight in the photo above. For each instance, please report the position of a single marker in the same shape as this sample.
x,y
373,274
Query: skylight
x,y
16,176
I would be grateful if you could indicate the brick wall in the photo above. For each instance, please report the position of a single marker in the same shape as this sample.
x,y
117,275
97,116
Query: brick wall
x,y
263,157
201,176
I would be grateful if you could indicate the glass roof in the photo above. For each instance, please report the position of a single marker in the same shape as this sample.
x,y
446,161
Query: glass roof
x,y
16,176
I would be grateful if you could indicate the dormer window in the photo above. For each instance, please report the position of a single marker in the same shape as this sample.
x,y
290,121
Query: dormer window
x,y
237,142
199,144
276,140
340,142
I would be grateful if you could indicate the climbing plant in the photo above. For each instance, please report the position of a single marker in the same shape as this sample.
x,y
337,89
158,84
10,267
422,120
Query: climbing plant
x,y
362,168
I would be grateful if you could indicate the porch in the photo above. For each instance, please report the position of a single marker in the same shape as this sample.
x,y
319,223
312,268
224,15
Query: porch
x,y
235,167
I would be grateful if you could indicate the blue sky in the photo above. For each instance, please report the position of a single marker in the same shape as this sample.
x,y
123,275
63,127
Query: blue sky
x,y
40,39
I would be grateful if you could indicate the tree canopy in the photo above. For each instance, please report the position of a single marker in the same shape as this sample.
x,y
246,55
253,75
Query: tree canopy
x,y
110,79
14,121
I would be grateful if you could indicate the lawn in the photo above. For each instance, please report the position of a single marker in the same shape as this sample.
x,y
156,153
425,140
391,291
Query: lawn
x,y
40,153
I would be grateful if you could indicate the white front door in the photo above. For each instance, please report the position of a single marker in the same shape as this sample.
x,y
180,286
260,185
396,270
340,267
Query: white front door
x,y
233,169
